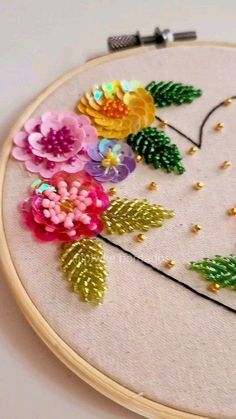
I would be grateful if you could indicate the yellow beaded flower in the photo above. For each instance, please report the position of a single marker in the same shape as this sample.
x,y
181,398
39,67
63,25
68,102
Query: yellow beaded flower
x,y
119,108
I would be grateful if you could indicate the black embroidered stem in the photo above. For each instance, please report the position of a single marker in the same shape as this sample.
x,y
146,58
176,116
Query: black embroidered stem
x,y
199,143
208,116
178,131
186,286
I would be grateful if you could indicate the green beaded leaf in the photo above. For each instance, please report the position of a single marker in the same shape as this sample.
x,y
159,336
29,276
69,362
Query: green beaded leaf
x,y
170,93
124,216
220,270
84,267
157,149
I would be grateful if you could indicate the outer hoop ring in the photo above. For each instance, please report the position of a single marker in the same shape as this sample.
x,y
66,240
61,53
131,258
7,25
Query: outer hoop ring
x,y
70,358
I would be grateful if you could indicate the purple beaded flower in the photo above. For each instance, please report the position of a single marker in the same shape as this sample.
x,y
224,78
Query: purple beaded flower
x,y
54,142
112,161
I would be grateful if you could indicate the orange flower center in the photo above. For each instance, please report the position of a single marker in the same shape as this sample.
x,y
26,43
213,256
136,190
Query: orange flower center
x,y
66,206
114,108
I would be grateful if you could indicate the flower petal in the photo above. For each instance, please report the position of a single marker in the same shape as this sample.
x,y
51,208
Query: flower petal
x,y
69,122
116,149
83,120
108,176
74,167
49,124
126,150
31,124
91,136
94,153
121,174
94,168
32,167
34,140
130,163
19,138
49,116
78,134
83,155
19,153
48,173
105,145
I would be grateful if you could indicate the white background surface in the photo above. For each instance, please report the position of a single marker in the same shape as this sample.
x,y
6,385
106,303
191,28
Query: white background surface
x,y
38,42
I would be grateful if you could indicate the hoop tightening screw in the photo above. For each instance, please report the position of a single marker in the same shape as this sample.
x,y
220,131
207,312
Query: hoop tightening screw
x,y
115,43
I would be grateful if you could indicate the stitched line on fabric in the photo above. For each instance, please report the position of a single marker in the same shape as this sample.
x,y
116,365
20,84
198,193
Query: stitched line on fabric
x,y
186,286
199,143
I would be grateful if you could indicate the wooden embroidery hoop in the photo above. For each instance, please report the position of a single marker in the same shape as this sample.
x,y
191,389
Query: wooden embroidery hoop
x,y
69,357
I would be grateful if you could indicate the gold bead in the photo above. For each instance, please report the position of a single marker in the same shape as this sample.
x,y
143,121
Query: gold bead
x,y
228,101
140,238
219,126
112,191
213,287
152,186
138,158
193,150
198,186
163,124
232,211
170,263
226,164
196,228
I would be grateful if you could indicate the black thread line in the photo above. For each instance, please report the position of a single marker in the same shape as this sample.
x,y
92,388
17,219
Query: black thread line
x,y
208,116
186,286
177,130
201,129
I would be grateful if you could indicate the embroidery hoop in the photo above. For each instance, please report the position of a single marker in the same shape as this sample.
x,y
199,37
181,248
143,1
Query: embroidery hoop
x,y
69,357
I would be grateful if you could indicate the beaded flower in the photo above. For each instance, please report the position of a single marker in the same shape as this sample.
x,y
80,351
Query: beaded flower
x,y
66,208
119,108
54,142
112,161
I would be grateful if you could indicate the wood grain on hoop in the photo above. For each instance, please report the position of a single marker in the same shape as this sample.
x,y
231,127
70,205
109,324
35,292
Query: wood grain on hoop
x,y
69,357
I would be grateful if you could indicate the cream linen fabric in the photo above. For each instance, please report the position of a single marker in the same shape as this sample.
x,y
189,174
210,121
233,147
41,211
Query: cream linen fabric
x,y
152,335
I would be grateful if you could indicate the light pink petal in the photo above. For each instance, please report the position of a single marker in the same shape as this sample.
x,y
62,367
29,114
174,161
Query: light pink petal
x,y
56,159
69,117
83,120
50,124
41,168
34,139
91,137
79,134
84,157
31,124
32,167
77,146
45,173
19,138
74,167
20,154
49,156
49,116
69,123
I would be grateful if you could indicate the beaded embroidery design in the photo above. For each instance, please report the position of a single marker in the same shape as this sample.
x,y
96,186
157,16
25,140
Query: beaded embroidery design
x,y
70,205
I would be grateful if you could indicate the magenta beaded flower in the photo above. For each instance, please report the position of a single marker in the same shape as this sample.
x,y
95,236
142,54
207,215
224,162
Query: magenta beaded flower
x,y
66,208
54,142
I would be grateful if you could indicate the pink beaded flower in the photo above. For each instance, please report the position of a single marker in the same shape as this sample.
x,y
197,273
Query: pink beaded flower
x,y
55,142
66,208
